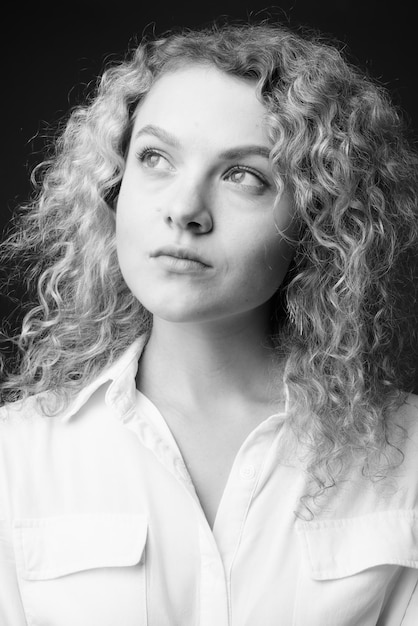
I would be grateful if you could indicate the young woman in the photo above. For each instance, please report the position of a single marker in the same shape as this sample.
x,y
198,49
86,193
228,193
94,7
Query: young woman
x,y
208,423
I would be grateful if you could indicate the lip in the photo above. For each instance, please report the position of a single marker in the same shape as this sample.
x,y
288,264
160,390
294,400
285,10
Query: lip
x,y
181,253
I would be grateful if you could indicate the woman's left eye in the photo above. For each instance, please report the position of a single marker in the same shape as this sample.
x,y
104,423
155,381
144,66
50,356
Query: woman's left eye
x,y
246,178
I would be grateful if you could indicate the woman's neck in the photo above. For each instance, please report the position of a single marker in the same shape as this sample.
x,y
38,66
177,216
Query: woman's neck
x,y
209,363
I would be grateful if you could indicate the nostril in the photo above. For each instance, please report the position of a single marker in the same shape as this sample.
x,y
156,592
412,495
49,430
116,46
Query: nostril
x,y
197,223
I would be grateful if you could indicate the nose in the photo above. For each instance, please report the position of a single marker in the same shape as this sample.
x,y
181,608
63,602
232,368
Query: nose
x,y
188,207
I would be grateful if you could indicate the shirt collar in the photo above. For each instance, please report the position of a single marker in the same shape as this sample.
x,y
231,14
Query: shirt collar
x,y
122,390
121,393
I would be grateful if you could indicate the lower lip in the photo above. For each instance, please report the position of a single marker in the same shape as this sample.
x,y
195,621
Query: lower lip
x,y
180,266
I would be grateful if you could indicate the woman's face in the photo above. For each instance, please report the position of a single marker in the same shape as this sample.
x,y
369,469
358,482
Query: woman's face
x,y
198,216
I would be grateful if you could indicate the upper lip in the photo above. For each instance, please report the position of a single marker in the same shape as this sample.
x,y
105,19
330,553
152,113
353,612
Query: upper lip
x,y
180,252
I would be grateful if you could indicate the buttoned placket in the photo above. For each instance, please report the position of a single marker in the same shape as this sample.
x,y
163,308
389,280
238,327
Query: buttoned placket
x,y
213,593
251,461
218,546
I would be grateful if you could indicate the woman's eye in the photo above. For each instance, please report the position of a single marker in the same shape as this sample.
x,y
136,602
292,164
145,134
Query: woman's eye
x,y
246,178
153,160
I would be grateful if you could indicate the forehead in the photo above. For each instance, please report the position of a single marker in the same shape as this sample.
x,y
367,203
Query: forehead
x,y
203,101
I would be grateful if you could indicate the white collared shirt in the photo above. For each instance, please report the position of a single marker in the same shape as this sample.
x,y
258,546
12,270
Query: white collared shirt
x,y
100,525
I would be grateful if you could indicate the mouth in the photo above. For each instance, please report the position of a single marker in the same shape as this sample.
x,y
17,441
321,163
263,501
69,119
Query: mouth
x,y
181,254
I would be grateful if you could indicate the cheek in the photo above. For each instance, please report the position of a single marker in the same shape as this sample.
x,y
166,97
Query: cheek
x,y
269,253
273,259
129,241
261,270
123,240
281,255
130,225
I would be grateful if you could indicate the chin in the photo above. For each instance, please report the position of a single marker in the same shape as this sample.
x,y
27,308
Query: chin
x,y
176,317
175,312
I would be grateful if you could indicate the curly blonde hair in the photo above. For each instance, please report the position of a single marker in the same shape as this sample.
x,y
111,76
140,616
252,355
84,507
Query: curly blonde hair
x,y
338,146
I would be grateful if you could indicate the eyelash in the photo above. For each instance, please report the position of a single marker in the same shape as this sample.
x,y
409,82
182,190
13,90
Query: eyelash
x,y
147,150
245,168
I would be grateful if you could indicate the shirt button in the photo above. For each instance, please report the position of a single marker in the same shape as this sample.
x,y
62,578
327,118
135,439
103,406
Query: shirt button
x,y
247,471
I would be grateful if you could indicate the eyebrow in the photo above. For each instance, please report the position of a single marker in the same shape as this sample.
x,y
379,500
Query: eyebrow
x,y
230,154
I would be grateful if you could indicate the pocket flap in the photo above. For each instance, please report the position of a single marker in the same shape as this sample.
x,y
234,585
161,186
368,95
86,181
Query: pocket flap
x,y
57,546
343,547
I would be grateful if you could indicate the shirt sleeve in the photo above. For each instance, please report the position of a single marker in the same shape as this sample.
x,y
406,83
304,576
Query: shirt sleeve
x,y
411,614
11,610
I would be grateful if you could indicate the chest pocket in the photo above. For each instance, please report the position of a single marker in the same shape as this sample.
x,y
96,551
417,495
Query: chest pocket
x,y
352,569
87,570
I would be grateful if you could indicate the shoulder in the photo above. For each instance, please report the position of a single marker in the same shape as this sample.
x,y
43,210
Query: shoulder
x,y
410,407
404,426
400,486
24,422
21,409
20,423
388,482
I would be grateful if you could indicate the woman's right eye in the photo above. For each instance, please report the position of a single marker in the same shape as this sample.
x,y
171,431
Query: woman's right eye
x,y
152,159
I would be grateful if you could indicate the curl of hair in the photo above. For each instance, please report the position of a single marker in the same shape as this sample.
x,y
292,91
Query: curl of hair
x,y
338,146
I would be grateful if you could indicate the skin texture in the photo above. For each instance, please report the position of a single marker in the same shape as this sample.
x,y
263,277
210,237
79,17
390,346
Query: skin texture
x,y
183,190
